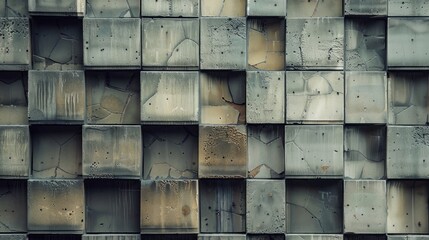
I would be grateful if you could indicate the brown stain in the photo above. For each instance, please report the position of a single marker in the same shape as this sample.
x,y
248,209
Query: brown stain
x,y
325,168
186,210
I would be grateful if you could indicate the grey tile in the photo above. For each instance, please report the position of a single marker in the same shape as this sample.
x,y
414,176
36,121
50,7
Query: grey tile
x,y
56,152
223,8
169,206
365,237
365,7
112,206
365,209
113,9
223,43
110,237
56,96
408,8
314,8
314,207
170,152
407,207
222,151
170,8
263,141
266,8
13,237
308,92
56,205
57,8
13,98
366,97
365,44
265,204
112,42
17,8
112,97
408,237
314,151
265,237
13,202
407,152
169,97
222,206
15,151
408,94
313,237
59,236
315,43
112,151
221,237
364,152
223,97
266,43
172,236
170,43
265,99
406,42
15,47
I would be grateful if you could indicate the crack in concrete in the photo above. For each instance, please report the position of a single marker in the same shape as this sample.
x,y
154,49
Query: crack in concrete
x,y
313,215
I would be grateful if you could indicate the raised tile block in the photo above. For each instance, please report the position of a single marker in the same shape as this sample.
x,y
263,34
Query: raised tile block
x,y
170,8
57,45
265,204
57,152
407,207
408,94
365,40
221,237
15,47
223,8
365,7
408,237
307,93
170,152
113,9
112,206
13,98
15,150
314,151
13,237
366,97
16,8
263,141
364,152
365,206
169,206
314,8
314,207
13,207
408,8
112,42
56,96
170,43
57,8
314,237
56,205
110,237
169,236
266,8
315,43
266,43
223,97
112,151
408,152
222,151
406,41
223,43
265,99
265,236
169,97
54,236
222,206
112,97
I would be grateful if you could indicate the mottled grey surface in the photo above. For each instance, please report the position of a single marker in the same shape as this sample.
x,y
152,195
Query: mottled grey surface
x,y
265,99
266,8
221,237
13,237
366,97
170,8
112,42
112,9
15,150
170,43
314,237
366,7
408,152
315,43
15,52
57,7
314,150
223,43
110,237
314,8
266,237
408,237
14,8
13,98
365,209
408,8
13,208
314,97
265,204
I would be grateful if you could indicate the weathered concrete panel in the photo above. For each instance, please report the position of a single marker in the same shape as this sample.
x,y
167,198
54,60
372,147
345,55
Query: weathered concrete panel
x,y
169,236
110,237
313,237
223,43
265,99
16,8
57,7
223,8
15,45
265,237
365,7
169,206
266,8
113,9
407,237
13,98
314,8
408,8
314,97
13,237
170,8
13,206
15,150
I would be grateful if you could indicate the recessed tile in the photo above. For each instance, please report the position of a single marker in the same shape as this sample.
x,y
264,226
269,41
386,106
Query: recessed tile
x,y
57,8
54,237
168,8
314,8
15,151
13,207
266,8
112,9
15,47
365,237
13,98
223,8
